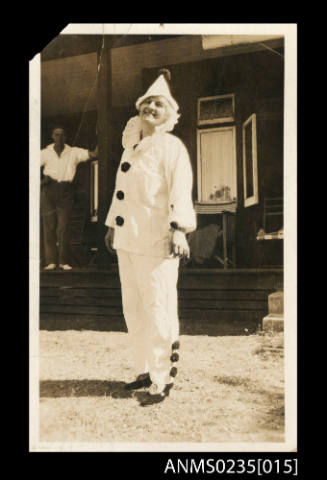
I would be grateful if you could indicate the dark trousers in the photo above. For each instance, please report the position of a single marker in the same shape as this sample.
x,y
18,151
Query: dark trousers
x,y
56,207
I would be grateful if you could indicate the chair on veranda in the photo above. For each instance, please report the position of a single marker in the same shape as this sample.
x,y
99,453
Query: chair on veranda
x,y
272,214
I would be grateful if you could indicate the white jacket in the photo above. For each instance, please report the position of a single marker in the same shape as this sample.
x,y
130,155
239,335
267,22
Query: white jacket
x,y
154,190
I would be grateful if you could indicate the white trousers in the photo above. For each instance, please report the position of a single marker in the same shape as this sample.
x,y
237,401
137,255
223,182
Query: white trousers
x,y
149,296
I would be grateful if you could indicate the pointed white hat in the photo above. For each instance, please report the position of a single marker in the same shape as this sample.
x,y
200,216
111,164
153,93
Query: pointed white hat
x,y
159,87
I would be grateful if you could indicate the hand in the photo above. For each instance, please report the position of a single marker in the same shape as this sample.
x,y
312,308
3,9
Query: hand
x,y
179,246
94,153
45,180
109,240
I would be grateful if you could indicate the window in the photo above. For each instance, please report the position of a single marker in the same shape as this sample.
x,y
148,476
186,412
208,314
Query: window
x,y
250,161
217,165
94,191
219,109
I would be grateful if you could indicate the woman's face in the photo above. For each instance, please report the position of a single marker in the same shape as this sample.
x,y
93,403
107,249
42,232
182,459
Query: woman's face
x,y
154,110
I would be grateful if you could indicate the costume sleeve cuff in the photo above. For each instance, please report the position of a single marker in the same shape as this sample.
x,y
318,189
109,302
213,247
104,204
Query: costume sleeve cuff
x,y
110,220
185,223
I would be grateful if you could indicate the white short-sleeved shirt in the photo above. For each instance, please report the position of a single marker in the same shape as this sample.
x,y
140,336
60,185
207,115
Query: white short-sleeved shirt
x,y
62,168
153,191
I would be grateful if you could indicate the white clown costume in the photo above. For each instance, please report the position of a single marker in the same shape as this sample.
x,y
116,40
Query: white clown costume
x,y
153,188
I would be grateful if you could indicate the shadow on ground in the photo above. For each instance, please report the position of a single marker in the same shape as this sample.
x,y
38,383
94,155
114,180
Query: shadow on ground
x,y
94,388
83,388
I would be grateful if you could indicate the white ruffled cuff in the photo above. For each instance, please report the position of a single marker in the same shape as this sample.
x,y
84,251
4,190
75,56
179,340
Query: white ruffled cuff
x,y
184,219
110,220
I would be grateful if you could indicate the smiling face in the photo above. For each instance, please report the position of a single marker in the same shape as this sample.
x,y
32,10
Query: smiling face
x,y
154,110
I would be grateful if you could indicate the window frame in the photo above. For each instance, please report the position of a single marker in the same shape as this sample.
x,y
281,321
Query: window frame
x,y
199,163
230,118
254,199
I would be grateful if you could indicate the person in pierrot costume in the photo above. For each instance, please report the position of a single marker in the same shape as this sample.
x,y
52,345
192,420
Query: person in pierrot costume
x,y
149,217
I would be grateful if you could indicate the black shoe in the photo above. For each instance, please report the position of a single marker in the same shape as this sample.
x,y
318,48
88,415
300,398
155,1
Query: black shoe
x,y
139,383
153,398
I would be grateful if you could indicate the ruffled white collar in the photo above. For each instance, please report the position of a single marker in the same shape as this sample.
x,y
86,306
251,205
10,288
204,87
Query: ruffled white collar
x,y
132,133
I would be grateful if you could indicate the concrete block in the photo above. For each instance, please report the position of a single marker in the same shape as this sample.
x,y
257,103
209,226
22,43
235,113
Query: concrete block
x,y
276,303
273,322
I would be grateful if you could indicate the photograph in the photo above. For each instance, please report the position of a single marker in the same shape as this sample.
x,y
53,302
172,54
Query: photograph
x,y
163,239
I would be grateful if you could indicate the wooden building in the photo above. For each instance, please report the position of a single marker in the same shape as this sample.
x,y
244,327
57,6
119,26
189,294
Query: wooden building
x,y
230,92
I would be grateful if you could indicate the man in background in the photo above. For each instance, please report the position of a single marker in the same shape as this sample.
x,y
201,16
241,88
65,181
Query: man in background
x,y
59,162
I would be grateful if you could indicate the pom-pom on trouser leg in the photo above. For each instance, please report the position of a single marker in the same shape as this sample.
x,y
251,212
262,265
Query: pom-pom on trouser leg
x,y
149,294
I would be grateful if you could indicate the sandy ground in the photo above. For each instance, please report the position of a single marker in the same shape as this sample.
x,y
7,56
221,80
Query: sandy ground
x,y
225,391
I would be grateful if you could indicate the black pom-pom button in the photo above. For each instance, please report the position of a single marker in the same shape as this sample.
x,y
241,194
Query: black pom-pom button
x,y
120,195
174,357
119,221
125,166
166,73
173,372
175,345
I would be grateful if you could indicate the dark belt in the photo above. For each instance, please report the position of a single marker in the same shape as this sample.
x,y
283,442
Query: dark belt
x,y
51,181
